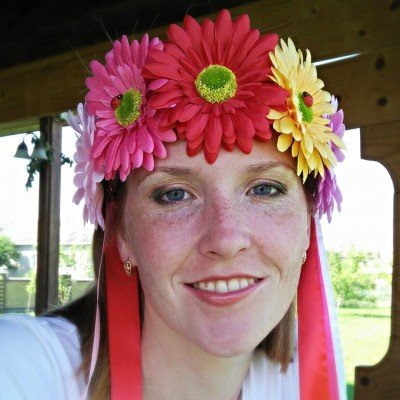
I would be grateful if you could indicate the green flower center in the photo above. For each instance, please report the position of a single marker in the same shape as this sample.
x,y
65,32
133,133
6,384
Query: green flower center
x,y
128,110
307,112
216,84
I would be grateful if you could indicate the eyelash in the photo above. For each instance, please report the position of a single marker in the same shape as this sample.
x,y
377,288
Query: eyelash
x,y
160,194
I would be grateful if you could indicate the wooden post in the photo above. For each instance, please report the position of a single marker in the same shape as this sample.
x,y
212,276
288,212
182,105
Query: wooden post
x,y
49,219
382,381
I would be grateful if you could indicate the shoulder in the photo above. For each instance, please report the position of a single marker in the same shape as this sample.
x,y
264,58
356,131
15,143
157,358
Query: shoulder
x,y
40,358
265,380
40,335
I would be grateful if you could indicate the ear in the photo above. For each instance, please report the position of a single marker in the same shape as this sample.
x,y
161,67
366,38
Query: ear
x,y
124,248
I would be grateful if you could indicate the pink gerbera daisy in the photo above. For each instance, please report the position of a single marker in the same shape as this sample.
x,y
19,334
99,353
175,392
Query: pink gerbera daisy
x,y
218,91
127,130
86,178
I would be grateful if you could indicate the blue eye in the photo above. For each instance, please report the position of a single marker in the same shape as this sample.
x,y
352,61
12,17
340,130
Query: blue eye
x,y
174,195
264,190
164,195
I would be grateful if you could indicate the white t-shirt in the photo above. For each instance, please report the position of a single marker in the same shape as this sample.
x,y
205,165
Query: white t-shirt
x,y
40,360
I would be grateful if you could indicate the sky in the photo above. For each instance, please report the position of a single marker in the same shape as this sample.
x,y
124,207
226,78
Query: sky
x,y
365,221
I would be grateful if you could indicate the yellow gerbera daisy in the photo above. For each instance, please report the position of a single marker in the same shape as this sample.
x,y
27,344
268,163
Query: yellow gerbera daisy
x,y
301,124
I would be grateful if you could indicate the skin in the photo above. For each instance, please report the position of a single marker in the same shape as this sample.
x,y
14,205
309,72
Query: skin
x,y
188,222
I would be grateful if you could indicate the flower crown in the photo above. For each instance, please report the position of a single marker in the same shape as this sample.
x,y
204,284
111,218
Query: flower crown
x,y
214,85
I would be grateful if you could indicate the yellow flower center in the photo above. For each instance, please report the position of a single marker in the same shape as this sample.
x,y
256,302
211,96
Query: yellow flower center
x,y
216,84
128,110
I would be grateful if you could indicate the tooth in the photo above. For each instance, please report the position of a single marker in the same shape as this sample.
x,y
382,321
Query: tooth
x,y
221,287
210,286
243,283
233,285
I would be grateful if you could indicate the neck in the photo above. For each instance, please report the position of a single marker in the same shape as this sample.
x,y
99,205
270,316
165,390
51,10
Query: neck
x,y
175,369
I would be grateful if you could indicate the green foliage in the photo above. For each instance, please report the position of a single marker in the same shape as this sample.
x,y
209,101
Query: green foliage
x,y
71,260
67,261
352,277
9,254
67,257
31,286
64,288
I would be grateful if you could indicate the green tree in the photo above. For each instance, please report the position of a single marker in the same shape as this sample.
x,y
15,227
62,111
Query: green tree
x,y
67,263
67,257
352,283
9,254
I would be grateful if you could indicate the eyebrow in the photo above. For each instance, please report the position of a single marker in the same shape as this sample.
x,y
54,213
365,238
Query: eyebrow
x,y
266,166
173,171
177,171
252,169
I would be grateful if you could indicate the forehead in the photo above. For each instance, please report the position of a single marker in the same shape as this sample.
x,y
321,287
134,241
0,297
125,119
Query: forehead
x,y
265,153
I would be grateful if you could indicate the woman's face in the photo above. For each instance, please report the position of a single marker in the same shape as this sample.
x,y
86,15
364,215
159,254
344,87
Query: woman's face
x,y
218,247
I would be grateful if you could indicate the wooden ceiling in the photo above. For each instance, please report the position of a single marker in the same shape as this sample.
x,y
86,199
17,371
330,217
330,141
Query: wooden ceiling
x,y
45,48
34,30
38,37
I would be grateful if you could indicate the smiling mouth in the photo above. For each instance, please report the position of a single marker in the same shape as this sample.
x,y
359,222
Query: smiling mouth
x,y
225,286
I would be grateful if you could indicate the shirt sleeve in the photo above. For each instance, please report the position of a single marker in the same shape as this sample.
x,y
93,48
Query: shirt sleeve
x,y
39,359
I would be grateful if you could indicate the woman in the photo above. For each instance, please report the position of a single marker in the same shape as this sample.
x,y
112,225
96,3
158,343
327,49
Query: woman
x,y
202,162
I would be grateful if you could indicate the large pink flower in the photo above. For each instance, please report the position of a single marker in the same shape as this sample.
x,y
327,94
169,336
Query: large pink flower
x,y
86,178
218,91
127,132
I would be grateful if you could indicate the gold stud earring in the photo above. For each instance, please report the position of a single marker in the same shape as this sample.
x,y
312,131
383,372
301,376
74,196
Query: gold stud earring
x,y
128,267
303,260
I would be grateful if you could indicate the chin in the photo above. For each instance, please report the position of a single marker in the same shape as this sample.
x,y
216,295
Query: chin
x,y
230,346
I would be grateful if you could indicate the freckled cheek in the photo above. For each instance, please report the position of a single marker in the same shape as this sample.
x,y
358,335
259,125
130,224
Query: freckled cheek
x,y
157,241
282,238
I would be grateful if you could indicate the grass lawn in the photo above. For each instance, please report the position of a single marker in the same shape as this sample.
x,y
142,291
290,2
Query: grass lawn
x,y
365,338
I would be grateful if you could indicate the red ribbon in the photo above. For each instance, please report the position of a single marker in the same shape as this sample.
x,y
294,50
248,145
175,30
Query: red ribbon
x,y
123,327
317,367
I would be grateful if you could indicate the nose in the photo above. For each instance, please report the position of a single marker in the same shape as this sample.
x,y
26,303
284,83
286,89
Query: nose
x,y
225,234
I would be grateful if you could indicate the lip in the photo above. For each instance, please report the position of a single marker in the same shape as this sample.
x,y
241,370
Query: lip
x,y
224,299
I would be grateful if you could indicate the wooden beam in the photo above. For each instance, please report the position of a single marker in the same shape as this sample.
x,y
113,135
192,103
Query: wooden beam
x,y
368,87
382,381
329,29
49,219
